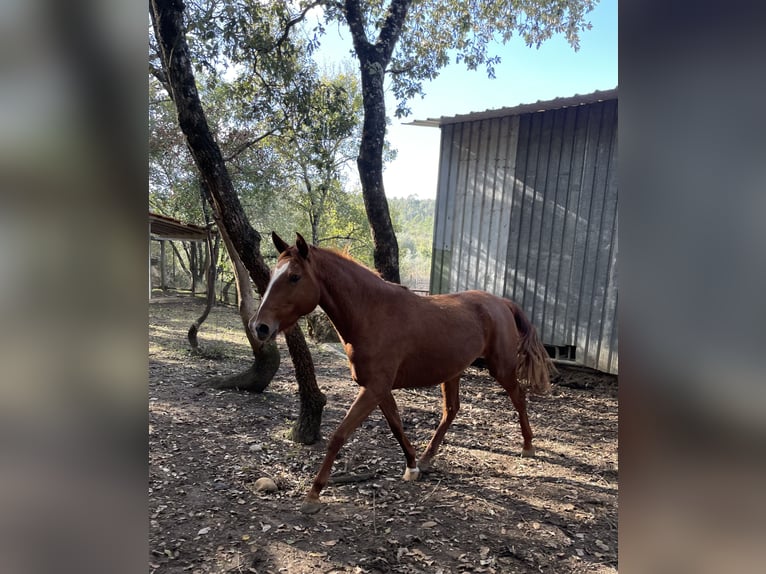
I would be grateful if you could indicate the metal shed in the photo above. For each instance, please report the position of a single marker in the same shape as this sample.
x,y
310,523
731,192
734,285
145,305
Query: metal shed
x,y
526,208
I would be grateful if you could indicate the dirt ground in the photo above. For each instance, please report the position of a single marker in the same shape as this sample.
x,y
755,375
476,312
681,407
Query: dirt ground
x,y
482,509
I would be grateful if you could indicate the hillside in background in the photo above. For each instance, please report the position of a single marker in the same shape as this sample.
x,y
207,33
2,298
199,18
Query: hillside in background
x,y
414,225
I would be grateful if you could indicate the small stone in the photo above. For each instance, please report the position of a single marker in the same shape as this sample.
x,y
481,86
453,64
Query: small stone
x,y
257,447
265,484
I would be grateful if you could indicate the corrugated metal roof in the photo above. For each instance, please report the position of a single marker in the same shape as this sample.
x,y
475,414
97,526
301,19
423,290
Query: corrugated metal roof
x,y
539,106
164,227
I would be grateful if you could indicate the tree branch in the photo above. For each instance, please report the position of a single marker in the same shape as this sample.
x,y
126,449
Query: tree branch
x,y
160,76
355,21
248,144
392,27
348,237
338,5
405,70
300,17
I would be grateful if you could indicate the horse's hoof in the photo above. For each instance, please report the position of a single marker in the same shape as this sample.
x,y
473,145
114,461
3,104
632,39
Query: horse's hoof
x,y
424,466
528,452
411,474
310,506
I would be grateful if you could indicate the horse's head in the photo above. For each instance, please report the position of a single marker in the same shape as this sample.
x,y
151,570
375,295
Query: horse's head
x,y
292,292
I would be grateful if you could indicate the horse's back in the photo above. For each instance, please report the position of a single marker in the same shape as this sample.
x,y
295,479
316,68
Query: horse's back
x,y
448,332
481,304
499,329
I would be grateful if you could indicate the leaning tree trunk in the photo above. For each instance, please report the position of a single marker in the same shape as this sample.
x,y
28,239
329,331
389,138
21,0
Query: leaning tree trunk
x,y
266,355
168,24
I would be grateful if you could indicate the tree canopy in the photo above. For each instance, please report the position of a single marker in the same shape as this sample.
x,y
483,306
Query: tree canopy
x,y
435,33
287,130
409,42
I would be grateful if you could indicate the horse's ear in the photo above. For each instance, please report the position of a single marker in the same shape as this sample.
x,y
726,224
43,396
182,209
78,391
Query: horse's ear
x,y
303,247
278,242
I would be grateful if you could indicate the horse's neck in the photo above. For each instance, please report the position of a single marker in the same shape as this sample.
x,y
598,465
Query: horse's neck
x,y
346,290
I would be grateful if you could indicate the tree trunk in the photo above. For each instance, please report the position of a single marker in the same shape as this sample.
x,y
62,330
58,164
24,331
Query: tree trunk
x,y
179,257
266,355
306,428
373,61
168,24
203,256
212,250
370,164
193,262
225,291
314,220
167,18
163,278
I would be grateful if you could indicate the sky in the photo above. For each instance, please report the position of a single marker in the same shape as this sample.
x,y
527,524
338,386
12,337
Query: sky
x,y
525,75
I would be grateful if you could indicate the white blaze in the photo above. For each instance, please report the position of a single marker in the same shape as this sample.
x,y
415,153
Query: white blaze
x,y
280,270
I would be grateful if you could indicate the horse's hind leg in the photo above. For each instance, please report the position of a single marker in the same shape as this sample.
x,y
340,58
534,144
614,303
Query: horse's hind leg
x,y
519,400
450,407
507,379
391,412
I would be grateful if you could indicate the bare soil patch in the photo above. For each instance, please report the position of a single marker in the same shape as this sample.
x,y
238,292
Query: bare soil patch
x,y
482,509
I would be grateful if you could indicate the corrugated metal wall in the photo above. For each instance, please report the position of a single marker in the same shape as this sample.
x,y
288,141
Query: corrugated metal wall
x,y
526,208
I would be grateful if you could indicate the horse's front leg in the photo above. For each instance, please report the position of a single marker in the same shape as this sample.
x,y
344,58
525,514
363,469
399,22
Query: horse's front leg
x,y
360,409
391,412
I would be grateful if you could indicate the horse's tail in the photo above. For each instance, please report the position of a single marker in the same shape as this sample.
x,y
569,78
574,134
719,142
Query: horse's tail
x,y
535,366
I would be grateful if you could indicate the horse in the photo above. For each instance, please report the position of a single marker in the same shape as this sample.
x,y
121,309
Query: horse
x,y
396,339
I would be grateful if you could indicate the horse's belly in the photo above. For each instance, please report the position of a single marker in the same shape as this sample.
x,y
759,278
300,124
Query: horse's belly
x,y
423,381
424,371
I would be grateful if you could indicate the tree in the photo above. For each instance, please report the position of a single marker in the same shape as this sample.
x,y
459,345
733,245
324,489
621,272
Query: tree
x,y
210,272
374,58
410,42
319,148
177,74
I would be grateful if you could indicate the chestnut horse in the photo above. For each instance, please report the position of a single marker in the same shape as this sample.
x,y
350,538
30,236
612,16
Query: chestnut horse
x,y
395,339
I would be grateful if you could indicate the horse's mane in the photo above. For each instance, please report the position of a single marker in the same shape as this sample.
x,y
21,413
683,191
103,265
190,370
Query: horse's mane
x,y
346,255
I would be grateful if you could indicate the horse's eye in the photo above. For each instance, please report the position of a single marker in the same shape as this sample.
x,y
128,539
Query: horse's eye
x,y
294,278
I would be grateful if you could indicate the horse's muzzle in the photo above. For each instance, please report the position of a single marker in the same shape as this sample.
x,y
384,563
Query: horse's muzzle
x,y
262,331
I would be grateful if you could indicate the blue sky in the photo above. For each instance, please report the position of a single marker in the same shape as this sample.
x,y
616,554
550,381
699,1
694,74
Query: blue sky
x,y
525,75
